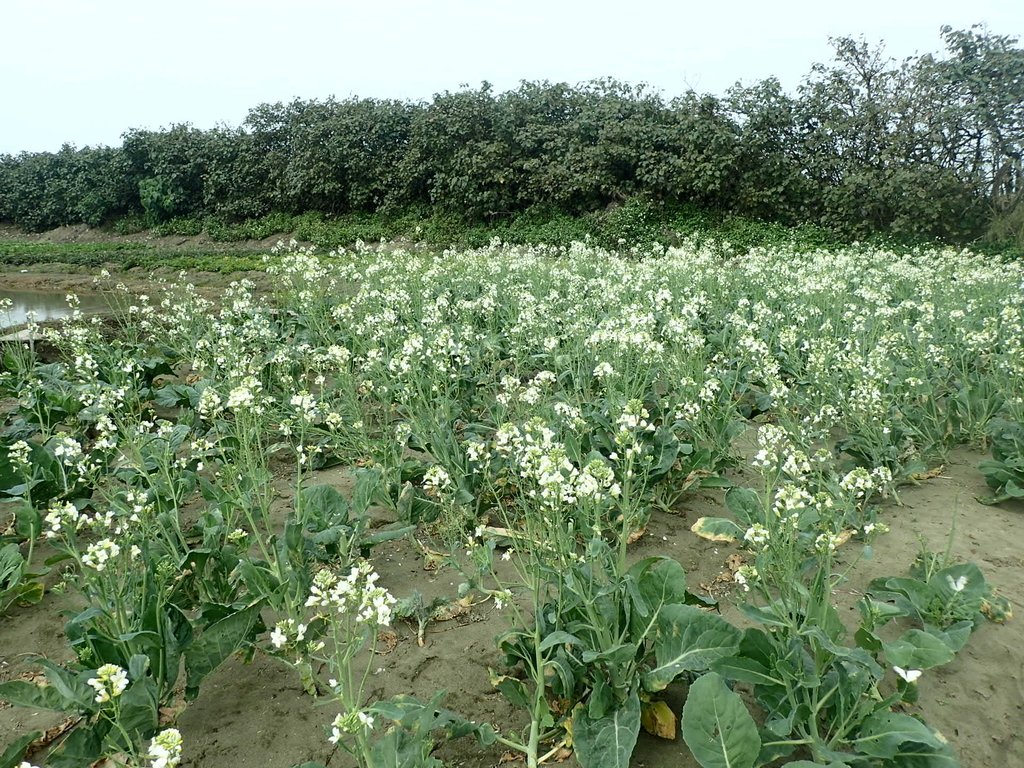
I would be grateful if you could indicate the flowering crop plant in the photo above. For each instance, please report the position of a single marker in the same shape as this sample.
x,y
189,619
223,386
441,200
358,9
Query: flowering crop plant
x,y
524,412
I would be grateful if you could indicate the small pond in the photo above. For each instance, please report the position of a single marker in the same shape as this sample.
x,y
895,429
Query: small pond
x,y
47,305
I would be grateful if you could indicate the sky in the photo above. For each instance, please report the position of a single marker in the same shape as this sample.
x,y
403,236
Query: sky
x,y
84,72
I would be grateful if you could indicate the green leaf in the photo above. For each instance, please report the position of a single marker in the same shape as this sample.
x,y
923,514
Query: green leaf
x,y
917,649
689,639
512,689
963,582
607,742
140,708
883,733
71,686
216,643
717,728
22,693
744,670
84,746
324,503
558,638
11,563
956,636
16,750
660,581
717,529
745,504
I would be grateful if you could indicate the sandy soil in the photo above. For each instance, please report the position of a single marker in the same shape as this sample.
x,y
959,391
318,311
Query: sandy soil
x,y
257,715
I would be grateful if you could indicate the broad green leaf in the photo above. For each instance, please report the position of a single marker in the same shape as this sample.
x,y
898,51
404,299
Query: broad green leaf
x,y
744,670
661,582
324,503
882,734
558,638
717,529
16,750
83,747
11,563
512,689
22,693
717,727
917,649
689,639
216,643
956,636
745,504
963,582
140,708
609,741
72,687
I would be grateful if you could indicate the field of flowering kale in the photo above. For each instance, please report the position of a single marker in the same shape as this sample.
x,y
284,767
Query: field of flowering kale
x,y
669,506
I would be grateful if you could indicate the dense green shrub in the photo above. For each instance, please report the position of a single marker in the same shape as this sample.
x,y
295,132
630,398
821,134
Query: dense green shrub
x,y
925,148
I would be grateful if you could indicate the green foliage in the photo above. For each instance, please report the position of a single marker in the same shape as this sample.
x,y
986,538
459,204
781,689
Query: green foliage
x,y
1004,472
607,741
717,727
928,147
129,255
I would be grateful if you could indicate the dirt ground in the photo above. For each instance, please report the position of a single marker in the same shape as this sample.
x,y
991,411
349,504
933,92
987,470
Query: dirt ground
x,y
256,714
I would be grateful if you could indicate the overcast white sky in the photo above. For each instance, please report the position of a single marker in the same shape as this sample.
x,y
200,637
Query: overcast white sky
x,y
84,72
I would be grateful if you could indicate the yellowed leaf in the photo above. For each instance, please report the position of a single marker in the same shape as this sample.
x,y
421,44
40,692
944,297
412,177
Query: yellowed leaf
x,y
711,528
658,720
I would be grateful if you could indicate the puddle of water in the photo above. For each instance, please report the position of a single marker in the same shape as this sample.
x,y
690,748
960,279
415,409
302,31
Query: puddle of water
x,y
46,305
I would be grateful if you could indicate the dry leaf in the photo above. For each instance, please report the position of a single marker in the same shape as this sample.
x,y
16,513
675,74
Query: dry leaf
x,y
658,720
449,611
931,473
389,639
635,536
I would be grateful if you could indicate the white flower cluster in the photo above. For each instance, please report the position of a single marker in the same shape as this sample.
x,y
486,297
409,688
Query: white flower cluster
x,y
353,722
355,594
100,553
18,454
287,632
542,461
165,749
109,683
436,479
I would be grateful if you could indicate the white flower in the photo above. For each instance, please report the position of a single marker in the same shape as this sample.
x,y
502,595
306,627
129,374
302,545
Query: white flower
x,y
757,535
62,514
278,638
109,683
165,749
436,477
19,453
98,554
957,586
910,675
283,630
